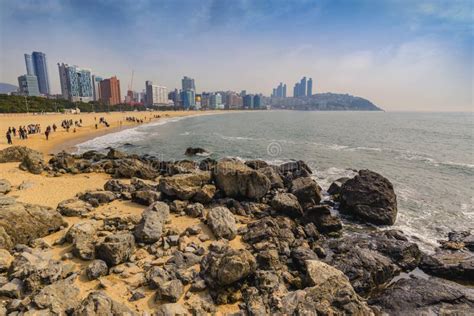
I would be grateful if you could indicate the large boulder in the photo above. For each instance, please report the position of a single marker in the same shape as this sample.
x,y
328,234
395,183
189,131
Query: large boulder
x,y
33,163
287,203
307,191
130,168
17,154
227,266
74,207
98,303
150,227
5,260
272,175
63,161
184,186
146,197
370,197
116,249
83,237
418,296
96,269
237,180
21,223
96,198
321,217
329,293
5,186
453,265
222,222
191,151
59,298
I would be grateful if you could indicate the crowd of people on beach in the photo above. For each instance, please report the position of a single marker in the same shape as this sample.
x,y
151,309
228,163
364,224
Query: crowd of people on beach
x,y
22,132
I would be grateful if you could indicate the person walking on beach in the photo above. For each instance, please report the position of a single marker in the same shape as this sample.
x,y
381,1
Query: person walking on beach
x,y
9,138
46,133
54,128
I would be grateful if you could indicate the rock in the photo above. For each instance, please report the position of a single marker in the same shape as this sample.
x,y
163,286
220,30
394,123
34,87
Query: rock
x,y
98,303
96,198
21,223
116,248
137,295
371,260
83,236
96,269
321,216
256,164
12,289
192,151
453,265
74,207
63,161
130,168
335,187
150,227
115,185
207,164
17,154
227,266
5,186
184,186
222,222
287,203
272,175
417,296
330,293
171,309
59,298
205,194
458,240
5,260
116,154
195,210
33,163
237,180
170,291
307,191
146,197
35,269
370,197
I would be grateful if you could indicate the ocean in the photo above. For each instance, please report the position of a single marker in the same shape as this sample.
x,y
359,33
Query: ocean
x,y
427,156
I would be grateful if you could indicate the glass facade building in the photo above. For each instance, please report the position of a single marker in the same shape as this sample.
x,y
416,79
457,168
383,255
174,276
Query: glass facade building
x,y
76,83
41,71
30,70
28,85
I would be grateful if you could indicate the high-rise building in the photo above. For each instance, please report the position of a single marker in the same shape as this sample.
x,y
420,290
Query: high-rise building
x,y
296,90
309,91
248,101
284,91
257,101
279,91
188,84
302,87
233,101
188,98
28,85
41,71
30,70
110,91
95,87
76,83
215,101
155,95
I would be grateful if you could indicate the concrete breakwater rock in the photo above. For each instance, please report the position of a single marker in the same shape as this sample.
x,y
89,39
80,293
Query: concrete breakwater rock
x,y
258,238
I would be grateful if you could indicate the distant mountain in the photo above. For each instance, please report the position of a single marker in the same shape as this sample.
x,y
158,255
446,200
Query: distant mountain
x,y
325,102
6,88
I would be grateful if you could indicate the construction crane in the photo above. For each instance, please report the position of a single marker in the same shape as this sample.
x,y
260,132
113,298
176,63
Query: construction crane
x,y
130,90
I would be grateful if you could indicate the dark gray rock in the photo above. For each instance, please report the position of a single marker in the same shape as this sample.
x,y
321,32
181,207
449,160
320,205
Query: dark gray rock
x,y
98,303
195,210
96,269
335,187
59,298
307,191
274,177
146,197
369,197
116,249
83,237
74,207
130,168
96,198
237,180
150,227
222,222
192,151
453,265
170,291
287,203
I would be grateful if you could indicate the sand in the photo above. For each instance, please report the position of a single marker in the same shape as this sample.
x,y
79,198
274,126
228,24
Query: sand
x,y
49,191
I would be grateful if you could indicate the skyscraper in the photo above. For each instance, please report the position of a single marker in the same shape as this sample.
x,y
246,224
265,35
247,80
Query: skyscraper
x,y
284,91
155,94
41,71
76,83
28,85
95,87
30,70
302,87
309,91
188,84
188,98
296,90
248,101
257,101
110,91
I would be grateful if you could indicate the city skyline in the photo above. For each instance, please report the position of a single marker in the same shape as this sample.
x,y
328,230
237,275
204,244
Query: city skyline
x,y
411,55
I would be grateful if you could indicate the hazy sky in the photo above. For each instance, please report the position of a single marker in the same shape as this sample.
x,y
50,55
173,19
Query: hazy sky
x,y
402,55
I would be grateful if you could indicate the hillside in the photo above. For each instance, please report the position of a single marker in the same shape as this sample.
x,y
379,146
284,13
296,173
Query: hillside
x,y
325,102
7,88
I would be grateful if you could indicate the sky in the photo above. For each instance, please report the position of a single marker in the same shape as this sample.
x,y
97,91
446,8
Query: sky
x,y
403,55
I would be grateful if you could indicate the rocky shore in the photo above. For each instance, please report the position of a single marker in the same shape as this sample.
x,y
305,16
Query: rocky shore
x,y
227,237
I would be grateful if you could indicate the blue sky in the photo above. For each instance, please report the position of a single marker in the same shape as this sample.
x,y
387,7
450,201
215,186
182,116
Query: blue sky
x,y
402,55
